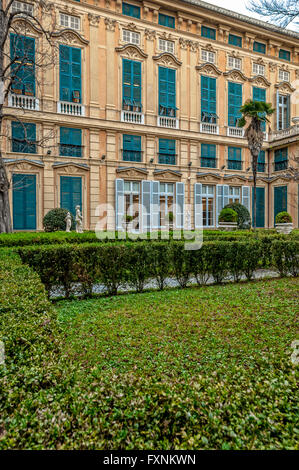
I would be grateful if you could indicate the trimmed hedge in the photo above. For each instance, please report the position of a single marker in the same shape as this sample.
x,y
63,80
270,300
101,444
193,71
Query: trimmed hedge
x,y
54,220
118,264
42,238
244,220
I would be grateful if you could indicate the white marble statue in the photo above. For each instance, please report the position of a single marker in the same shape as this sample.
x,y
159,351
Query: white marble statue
x,y
68,220
79,220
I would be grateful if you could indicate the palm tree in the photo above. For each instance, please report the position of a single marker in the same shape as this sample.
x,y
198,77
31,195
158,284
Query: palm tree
x,y
256,112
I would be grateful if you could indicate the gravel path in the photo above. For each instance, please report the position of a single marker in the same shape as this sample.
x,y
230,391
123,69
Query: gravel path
x,y
152,284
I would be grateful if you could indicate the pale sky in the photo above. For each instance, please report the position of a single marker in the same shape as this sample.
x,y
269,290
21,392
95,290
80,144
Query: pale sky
x,y
240,7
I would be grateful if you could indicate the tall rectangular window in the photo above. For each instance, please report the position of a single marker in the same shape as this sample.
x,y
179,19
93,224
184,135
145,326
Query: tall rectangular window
x,y
234,103
234,195
208,99
208,156
132,204
280,200
166,20
23,137
167,92
281,159
283,110
166,201
131,10
131,148
285,55
167,151
235,40
70,74
132,85
70,142
259,94
207,32
22,54
234,158
284,76
259,47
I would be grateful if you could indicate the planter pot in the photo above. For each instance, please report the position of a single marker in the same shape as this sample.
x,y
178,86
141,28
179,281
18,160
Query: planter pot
x,y
228,226
284,228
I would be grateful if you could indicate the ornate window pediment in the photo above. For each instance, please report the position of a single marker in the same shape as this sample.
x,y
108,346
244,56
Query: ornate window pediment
x,y
25,26
209,69
236,75
132,172
71,37
285,87
260,80
167,175
24,164
208,177
131,51
70,168
167,59
237,179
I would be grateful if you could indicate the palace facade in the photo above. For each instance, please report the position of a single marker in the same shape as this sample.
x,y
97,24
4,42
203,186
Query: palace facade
x,y
141,106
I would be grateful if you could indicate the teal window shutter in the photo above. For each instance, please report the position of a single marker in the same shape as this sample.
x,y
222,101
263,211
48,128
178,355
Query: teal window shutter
x,y
70,73
131,148
281,159
167,151
208,99
70,142
131,10
23,137
260,207
261,161
259,47
234,158
208,155
24,201
285,55
22,53
235,40
234,103
259,94
132,90
166,20
71,193
167,92
207,32
280,200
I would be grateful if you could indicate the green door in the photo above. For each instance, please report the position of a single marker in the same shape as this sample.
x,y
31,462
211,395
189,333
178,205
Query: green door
x,y
24,202
260,207
280,200
71,193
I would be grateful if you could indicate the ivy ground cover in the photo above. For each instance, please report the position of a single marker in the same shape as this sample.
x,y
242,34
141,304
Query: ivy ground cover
x,y
201,368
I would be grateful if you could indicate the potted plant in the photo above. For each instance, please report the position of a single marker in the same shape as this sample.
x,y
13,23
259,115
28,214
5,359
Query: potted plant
x,y
169,219
228,219
128,220
284,223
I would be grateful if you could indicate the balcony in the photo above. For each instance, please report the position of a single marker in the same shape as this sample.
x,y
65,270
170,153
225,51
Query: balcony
x,y
132,117
234,164
132,155
261,167
23,101
235,132
208,128
208,162
167,158
170,122
73,109
289,132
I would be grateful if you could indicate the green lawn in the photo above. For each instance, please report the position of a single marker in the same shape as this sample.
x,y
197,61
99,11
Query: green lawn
x,y
185,369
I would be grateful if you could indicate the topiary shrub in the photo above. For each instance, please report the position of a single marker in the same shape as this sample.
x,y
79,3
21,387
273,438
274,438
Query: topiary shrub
x,y
54,220
244,220
283,218
228,215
